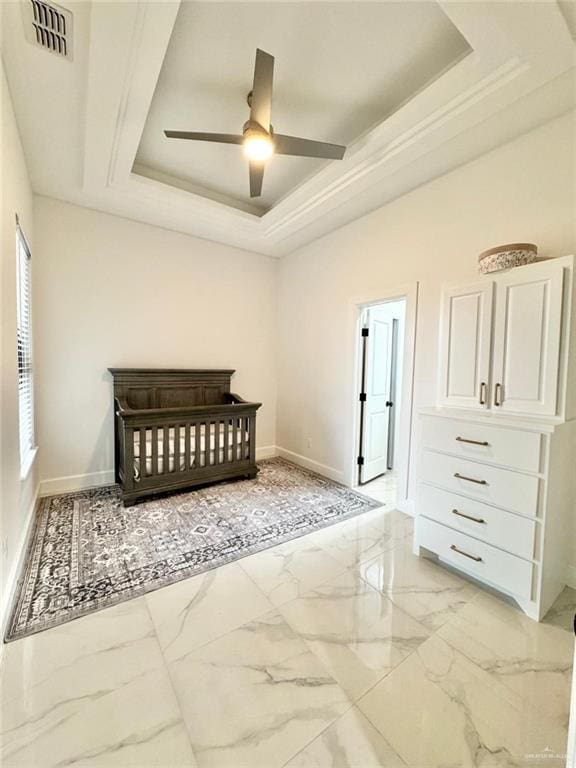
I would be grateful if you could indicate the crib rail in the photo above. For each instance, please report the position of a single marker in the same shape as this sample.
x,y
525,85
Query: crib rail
x,y
163,449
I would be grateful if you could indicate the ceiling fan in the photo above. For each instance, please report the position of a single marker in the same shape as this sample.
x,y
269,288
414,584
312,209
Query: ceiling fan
x,y
258,137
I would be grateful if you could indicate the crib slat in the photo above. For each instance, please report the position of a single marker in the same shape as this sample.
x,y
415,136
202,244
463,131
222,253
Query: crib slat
x,y
217,442
142,452
234,439
176,448
197,444
154,467
226,450
252,439
206,427
129,481
166,446
187,429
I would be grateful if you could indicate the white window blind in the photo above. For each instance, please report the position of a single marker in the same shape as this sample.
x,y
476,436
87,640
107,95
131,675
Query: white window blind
x,y
25,367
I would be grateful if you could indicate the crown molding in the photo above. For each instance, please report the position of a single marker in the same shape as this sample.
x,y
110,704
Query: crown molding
x,y
516,49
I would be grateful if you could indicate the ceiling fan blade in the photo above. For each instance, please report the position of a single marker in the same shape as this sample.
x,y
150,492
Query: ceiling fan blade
x,y
221,138
256,177
261,105
293,145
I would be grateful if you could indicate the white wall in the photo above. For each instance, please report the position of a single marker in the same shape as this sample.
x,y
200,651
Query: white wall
x,y
16,495
113,292
523,191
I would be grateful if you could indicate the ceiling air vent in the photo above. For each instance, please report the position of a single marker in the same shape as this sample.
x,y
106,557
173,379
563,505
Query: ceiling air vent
x,y
48,26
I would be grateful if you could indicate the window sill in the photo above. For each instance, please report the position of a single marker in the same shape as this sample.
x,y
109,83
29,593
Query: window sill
x,y
25,470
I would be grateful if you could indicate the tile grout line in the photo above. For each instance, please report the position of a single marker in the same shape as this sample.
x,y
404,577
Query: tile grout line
x,y
166,667
275,608
217,637
284,602
355,701
318,735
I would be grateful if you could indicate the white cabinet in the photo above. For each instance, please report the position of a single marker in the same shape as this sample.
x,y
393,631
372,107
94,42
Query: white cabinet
x,y
465,352
527,329
508,527
500,341
495,475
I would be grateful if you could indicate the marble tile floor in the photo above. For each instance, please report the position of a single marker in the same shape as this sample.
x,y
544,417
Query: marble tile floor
x,y
337,649
383,488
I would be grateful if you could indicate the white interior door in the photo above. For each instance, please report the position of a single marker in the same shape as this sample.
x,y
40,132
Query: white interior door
x,y
527,339
377,389
465,345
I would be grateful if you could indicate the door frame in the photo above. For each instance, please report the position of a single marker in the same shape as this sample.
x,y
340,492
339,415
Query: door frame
x,y
571,746
408,292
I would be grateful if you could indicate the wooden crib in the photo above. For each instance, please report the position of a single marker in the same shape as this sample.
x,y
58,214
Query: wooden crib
x,y
175,429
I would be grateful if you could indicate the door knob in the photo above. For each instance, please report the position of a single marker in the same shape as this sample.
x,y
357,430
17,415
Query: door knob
x,y
389,403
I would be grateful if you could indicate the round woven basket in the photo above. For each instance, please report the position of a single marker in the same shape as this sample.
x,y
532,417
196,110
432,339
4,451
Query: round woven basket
x,y
506,257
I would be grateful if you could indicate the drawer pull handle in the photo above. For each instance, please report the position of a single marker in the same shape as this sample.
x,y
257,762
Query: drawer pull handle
x,y
476,559
468,517
470,479
485,443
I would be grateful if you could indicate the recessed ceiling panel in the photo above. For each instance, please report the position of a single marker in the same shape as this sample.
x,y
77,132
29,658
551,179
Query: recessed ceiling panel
x,y
340,69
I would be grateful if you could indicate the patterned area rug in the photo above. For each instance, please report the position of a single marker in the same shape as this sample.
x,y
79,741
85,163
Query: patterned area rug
x,y
88,552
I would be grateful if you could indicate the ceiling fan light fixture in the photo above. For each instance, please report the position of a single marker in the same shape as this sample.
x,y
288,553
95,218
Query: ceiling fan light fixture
x,y
258,138
258,146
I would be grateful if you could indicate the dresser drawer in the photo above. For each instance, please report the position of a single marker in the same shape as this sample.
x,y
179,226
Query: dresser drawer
x,y
502,487
488,442
496,526
486,563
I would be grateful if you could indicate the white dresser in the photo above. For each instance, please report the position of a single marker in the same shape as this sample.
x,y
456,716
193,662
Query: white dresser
x,y
497,455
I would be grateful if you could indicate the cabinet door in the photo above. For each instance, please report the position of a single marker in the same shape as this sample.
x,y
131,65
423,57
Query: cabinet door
x,y
527,331
465,345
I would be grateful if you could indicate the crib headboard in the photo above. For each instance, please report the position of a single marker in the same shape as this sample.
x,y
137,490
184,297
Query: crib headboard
x,y
142,388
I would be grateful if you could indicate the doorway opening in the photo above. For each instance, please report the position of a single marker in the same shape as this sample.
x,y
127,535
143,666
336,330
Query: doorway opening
x,y
381,355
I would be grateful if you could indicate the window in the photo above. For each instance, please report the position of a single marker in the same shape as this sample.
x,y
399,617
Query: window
x,y
24,333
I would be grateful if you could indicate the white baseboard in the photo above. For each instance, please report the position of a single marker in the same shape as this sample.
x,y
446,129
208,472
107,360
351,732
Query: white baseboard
x,y
76,482
314,466
571,576
266,452
17,564
106,477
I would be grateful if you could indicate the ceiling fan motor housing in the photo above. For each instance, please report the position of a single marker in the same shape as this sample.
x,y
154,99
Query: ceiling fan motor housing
x,y
254,128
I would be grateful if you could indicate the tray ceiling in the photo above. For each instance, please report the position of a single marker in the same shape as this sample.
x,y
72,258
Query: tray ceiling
x,y
341,68
414,89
